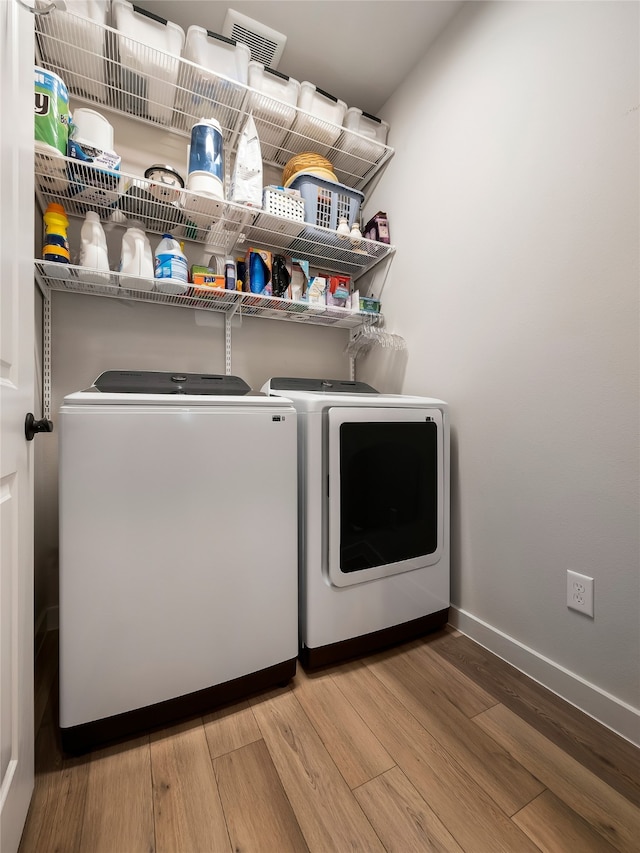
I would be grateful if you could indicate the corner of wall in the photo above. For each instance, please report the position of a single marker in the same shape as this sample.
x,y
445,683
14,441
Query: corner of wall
x,y
616,715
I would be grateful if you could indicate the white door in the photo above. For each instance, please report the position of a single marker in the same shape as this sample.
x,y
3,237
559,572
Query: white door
x,y
16,399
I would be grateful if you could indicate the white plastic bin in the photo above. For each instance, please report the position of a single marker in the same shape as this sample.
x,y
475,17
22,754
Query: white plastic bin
x,y
280,202
73,42
322,121
366,125
217,53
373,129
208,86
149,47
273,104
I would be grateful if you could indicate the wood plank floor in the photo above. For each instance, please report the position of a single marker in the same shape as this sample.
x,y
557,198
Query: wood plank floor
x,y
436,745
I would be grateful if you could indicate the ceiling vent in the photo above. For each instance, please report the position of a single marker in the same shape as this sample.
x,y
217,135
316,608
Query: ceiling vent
x,y
266,45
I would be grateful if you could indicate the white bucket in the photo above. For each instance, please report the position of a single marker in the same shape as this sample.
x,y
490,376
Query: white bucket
x,y
92,129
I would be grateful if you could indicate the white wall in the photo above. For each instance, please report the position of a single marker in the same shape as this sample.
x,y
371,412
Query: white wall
x,y
513,201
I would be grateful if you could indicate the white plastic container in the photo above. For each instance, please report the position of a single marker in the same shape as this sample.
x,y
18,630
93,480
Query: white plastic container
x,y
323,124
206,159
210,86
92,129
93,251
274,107
374,129
75,42
137,260
170,266
366,125
149,48
217,53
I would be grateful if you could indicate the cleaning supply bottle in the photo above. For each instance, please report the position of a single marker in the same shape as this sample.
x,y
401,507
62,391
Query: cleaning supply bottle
x,y
93,250
230,281
56,243
171,269
137,259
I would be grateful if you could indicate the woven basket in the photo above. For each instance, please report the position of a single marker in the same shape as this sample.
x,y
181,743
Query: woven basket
x,y
308,161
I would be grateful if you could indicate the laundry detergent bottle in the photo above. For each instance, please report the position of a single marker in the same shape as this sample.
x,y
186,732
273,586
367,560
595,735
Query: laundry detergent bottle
x,y
93,251
170,266
137,259
56,243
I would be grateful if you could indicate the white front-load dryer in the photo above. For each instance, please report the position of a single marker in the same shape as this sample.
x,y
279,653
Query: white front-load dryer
x,y
373,474
178,549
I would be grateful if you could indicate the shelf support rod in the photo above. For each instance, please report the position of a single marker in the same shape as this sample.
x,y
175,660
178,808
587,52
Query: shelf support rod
x,y
46,353
227,344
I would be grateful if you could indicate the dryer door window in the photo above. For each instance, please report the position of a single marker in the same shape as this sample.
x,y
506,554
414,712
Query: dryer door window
x,y
385,492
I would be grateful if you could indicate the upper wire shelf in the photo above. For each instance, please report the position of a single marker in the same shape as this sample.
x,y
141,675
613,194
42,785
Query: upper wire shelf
x,y
109,69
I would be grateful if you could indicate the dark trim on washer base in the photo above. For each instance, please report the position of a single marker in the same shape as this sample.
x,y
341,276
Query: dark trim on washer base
x,y
356,646
82,738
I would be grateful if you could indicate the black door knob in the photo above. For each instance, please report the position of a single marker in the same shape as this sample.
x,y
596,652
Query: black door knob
x,y
32,426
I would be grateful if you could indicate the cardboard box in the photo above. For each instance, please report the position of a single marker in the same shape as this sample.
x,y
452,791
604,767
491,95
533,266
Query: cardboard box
x,y
94,176
201,281
317,290
299,279
339,291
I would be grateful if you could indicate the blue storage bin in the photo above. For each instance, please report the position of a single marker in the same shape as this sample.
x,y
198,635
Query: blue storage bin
x,y
326,201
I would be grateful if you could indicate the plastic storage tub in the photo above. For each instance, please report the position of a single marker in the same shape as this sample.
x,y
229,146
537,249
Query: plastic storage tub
x,y
273,105
210,90
149,47
373,129
321,121
366,125
74,44
326,201
217,53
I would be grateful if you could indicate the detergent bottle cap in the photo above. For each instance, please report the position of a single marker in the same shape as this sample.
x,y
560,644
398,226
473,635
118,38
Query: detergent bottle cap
x,y
54,207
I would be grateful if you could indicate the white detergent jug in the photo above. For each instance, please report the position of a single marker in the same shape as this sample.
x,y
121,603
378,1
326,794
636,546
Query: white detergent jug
x,y
171,266
137,259
93,251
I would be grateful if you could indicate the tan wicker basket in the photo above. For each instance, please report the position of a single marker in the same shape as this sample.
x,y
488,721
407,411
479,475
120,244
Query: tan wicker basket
x,y
308,161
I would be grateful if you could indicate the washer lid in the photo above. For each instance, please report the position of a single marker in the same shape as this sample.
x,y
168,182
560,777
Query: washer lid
x,y
158,382
324,386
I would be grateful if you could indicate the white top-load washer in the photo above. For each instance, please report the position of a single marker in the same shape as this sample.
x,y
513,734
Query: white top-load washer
x,y
374,515
178,549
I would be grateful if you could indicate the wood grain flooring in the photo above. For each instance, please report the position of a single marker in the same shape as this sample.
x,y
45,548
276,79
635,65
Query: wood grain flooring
x,y
436,745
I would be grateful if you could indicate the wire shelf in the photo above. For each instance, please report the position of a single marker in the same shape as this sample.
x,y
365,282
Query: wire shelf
x,y
121,198
109,69
75,279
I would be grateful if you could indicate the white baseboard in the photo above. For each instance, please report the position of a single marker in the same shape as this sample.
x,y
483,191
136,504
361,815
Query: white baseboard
x,y
616,715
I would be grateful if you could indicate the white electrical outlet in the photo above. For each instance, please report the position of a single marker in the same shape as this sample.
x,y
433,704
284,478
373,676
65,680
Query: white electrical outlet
x,y
580,593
